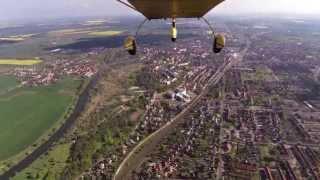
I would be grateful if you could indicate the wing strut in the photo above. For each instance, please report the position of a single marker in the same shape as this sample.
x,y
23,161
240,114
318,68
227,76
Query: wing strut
x,y
128,5
140,26
210,26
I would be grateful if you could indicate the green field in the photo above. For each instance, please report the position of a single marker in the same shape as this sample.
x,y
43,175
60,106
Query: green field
x,y
16,38
7,83
28,113
88,31
105,33
26,62
47,165
65,32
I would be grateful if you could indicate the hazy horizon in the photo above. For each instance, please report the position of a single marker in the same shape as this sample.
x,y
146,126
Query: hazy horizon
x,y
43,9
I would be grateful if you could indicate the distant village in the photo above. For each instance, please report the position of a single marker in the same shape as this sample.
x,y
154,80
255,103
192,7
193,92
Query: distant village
x,y
52,70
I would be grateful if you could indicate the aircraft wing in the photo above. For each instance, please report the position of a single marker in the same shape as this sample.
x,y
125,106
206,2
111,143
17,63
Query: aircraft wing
x,y
159,9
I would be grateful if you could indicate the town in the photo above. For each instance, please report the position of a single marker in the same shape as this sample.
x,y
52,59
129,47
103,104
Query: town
x,y
255,123
178,111
49,72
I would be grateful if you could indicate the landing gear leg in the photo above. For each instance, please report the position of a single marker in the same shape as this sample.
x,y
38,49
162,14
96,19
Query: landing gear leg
x,y
174,31
130,43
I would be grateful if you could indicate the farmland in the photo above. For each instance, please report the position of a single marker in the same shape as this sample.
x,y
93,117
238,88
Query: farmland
x,y
25,62
105,33
16,38
65,32
84,31
7,83
47,165
29,114
13,39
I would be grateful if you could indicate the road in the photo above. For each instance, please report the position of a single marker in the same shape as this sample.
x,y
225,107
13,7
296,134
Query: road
x,y
317,74
146,146
221,134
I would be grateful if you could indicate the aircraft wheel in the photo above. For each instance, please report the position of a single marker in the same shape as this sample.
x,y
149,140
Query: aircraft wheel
x,y
131,45
174,34
218,43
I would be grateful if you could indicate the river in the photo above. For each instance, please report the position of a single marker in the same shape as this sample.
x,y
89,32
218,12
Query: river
x,y
43,148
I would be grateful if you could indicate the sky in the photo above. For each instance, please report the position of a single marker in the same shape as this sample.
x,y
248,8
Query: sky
x,y
36,9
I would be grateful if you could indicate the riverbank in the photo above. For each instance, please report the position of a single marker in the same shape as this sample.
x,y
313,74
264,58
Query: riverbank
x,y
58,134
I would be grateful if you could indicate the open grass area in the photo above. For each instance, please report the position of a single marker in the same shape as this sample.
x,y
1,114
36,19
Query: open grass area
x,y
65,32
105,33
24,62
47,166
28,113
23,36
14,39
94,22
7,83
88,31
17,38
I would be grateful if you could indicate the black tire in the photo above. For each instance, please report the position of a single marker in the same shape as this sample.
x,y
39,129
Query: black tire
x,y
133,51
215,48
